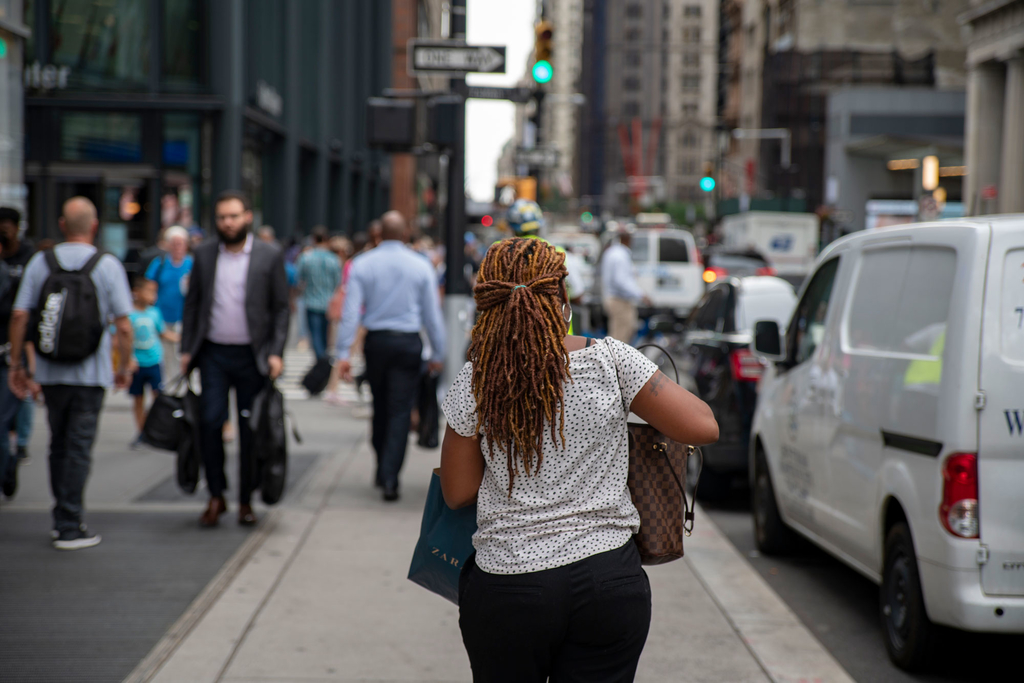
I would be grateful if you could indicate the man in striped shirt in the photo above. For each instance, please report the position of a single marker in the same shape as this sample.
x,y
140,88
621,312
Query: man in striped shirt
x,y
319,274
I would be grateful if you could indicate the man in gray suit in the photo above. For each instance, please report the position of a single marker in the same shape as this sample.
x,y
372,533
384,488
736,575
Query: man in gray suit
x,y
234,330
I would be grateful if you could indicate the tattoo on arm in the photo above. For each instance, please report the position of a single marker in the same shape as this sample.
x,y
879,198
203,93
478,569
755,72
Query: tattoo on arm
x,y
657,381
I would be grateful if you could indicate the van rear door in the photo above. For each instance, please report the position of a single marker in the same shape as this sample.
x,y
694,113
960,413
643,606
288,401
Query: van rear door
x,y
1001,422
678,282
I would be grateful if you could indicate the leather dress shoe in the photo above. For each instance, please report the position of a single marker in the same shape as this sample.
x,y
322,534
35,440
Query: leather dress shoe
x,y
390,492
214,510
246,516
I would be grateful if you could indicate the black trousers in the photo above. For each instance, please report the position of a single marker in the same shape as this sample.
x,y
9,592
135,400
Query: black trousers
x,y
584,622
74,415
222,367
393,366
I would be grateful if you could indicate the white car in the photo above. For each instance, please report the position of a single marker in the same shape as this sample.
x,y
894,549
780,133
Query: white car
x,y
889,429
668,268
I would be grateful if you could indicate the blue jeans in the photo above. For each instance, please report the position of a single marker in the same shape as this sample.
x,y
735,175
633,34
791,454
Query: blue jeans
x,y
9,404
222,367
25,417
74,414
317,321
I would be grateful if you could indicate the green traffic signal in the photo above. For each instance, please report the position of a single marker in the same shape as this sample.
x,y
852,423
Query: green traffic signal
x,y
542,71
587,217
707,183
3,48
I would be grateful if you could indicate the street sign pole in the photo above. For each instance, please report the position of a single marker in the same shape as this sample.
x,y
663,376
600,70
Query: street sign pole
x,y
457,294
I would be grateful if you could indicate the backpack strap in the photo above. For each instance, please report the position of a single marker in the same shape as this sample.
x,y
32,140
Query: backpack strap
x,y
52,263
90,265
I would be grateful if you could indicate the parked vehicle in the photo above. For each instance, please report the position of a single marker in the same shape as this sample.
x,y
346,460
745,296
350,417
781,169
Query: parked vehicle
x,y
668,269
720,262
788,240
890,426
720,368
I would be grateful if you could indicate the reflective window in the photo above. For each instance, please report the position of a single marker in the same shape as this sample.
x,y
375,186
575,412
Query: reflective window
x,y
104,43
672,250
183,41
266,43
641,249
181,179
901,299
711,316
807,328
101,136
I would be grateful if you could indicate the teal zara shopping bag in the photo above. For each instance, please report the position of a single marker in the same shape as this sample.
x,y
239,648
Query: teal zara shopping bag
x,y
445,543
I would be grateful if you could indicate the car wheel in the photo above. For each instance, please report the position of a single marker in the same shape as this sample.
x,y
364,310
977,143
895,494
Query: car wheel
x,y
771,534
909,633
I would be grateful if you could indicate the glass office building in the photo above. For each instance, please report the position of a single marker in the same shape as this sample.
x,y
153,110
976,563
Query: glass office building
x,y
151,107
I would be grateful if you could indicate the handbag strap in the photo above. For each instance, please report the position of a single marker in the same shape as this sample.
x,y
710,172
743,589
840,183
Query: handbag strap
x,y
665,353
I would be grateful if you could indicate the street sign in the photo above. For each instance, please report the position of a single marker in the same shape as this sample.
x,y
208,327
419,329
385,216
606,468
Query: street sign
x,y
521,95
540,157
454,58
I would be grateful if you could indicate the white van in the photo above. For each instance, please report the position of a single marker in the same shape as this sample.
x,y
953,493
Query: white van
x,y
890,426
668,269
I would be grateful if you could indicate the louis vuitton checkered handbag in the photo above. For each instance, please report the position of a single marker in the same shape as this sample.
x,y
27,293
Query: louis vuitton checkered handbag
x,y
657,483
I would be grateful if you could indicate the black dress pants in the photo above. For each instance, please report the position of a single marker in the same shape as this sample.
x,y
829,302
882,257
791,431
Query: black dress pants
x,y
584,622
222,367
393,366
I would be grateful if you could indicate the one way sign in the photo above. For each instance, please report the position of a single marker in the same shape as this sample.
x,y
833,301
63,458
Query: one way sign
x,y
454,58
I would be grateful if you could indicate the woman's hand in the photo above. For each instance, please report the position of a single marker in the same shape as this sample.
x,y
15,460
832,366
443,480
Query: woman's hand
x,y
675,412
462,469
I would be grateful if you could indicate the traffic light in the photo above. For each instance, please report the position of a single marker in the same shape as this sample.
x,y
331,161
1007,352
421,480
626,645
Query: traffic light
x,y
542,69
707,182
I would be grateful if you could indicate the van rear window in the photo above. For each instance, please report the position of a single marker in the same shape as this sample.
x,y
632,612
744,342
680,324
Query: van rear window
x,y
901,300
1012,313
673,250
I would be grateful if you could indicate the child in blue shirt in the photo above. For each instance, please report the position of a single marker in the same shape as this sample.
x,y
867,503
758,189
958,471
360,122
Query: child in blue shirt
x,y
148,329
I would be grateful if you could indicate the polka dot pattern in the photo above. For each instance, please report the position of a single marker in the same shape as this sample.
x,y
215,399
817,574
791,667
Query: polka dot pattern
x,y
577,504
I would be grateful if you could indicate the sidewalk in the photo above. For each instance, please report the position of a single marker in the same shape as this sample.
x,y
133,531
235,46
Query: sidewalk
x,y
319,593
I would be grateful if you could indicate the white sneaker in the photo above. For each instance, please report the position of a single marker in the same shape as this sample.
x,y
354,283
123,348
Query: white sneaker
x,y
76,539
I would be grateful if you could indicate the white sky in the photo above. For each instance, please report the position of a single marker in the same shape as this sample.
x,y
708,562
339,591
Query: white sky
x,y
490,123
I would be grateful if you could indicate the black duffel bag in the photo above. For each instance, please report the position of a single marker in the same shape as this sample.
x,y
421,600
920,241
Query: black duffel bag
x,y
165,422
189,452
318,376
430,414
270,443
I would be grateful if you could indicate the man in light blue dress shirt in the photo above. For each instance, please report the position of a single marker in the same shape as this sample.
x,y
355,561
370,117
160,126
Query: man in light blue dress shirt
x,y
392,291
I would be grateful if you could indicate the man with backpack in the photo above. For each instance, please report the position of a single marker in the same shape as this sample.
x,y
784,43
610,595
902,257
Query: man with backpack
x,y
67,298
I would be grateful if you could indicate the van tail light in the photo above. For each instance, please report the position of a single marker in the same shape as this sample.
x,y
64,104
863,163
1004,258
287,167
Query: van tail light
x,y
714,273
746,367
767,270
959,510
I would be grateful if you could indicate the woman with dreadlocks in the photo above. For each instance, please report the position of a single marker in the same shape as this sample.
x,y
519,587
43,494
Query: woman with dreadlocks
x,y
537,438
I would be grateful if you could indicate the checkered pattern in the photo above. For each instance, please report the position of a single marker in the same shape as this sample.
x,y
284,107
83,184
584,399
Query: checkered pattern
x,y
656,493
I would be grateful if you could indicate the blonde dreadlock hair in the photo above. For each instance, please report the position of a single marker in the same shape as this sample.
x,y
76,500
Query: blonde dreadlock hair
x,y
518,351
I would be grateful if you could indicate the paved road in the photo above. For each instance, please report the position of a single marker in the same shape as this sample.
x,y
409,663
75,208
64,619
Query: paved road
x,y
839,606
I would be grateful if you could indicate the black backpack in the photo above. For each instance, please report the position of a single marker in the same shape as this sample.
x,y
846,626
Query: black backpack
x,y
66,325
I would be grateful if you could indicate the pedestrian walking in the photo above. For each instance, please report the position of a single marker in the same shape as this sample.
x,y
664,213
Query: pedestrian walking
x,y
171,272
319,274
619,289
74,292
148,333
14,255
234,331
392,291
537,438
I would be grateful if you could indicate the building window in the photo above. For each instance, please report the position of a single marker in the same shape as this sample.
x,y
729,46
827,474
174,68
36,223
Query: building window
x,y
265,44
691,34
632,58
691,11
632,35
630,109
101,136
689,140
631,84
688,167
634,10
183,42
105,45
691,59
691,82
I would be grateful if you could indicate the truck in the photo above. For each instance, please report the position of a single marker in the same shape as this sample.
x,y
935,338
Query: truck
x,y
789,241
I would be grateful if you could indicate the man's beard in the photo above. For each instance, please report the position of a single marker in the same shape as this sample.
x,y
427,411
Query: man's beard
x,y
237,239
